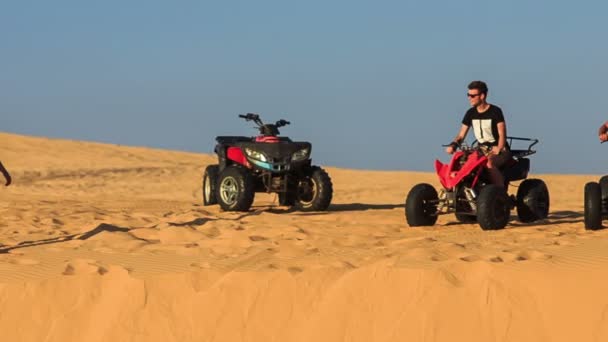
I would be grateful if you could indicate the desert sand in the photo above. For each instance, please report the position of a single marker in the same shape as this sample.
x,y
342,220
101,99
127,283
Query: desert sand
x,y
102,242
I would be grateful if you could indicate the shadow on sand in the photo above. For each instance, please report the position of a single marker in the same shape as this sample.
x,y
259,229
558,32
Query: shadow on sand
x,y
104,227
554,218
332,208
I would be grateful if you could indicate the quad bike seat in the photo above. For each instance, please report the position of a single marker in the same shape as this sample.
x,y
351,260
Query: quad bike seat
x,y
228,139
516,168
521,153
265,139
231,140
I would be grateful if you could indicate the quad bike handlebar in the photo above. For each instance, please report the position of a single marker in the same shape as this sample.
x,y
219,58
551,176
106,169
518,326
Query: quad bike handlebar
x,y
282,123
252,117
265,129
475,146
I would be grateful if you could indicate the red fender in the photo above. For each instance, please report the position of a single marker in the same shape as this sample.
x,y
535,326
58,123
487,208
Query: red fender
x,y
450,178
236,155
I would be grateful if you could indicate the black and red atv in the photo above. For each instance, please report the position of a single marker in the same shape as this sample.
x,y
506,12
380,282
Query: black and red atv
x,y
469,193
266,163
596,203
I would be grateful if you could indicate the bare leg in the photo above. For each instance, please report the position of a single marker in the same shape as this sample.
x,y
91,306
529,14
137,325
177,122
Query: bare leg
x,y
494,162
496,177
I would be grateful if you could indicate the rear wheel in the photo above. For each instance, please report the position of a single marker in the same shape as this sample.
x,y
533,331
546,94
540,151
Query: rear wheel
x,y
604,187
235,189
532,200
421,206
593,206
493,207
209,184
314,191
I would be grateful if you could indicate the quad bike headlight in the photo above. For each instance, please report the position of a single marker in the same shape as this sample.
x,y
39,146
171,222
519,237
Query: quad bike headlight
x,y
256,155
300,155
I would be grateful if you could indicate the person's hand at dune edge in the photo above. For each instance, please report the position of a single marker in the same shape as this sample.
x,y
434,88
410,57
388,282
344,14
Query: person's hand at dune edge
x,y
7,176
603,132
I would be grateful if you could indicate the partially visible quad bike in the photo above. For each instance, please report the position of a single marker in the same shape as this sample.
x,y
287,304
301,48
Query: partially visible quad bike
x,y
596,203
468,192
266,163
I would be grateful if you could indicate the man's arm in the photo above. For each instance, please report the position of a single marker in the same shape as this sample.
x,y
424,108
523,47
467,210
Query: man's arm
x,y
502,135
464,129
6,175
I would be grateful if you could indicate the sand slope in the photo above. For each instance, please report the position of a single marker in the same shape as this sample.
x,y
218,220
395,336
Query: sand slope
x,y
109,243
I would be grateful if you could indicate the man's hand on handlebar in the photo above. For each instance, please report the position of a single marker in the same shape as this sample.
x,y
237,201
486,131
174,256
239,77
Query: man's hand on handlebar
x,y
451,148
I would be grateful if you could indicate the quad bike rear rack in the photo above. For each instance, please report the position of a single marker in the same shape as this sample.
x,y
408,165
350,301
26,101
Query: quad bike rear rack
x,y
523,152
517,153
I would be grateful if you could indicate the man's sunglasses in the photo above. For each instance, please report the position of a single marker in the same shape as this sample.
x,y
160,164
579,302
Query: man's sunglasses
x,y
472,95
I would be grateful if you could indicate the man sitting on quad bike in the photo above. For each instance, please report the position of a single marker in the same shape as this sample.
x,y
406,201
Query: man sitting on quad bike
x,y
475,181
5,174
490,130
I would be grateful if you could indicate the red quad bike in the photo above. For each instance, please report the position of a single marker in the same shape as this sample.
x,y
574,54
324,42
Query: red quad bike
x,y
469,193
266,163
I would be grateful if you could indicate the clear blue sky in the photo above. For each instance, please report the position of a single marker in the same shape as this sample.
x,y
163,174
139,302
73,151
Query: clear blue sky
x,y
372,84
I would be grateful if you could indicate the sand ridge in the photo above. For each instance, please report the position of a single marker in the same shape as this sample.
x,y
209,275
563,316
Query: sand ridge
x,y
102,242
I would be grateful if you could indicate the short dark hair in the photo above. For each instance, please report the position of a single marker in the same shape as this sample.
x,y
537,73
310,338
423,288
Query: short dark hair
x,y
479,85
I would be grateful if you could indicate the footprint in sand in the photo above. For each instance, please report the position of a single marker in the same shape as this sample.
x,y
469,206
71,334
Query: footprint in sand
x,y
471,258
496,259
204,264
211,232
295,270
24,261
504,257
257,238
83,266
439,257
533,255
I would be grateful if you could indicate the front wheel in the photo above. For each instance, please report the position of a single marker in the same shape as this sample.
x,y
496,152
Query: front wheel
x,y
209,184
593,206
314,191
604,187
421,206
532,200
493,207
235,189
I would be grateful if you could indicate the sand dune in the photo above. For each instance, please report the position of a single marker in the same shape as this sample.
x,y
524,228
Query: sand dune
x,y
111,243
